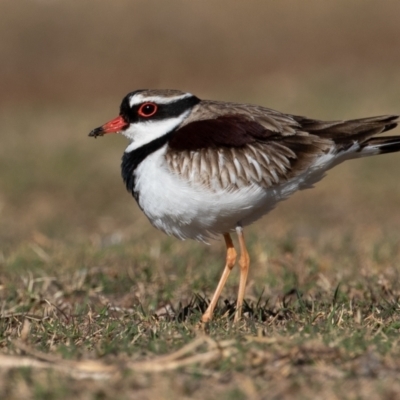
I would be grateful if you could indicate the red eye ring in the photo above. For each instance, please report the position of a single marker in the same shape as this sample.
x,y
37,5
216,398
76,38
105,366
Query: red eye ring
x,y
147,110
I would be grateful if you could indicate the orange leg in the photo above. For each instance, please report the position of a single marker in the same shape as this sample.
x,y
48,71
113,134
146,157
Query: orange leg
x,y
244,263
230,262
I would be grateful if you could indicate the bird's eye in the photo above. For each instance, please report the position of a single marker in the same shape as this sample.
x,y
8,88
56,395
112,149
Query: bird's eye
x,y
147,110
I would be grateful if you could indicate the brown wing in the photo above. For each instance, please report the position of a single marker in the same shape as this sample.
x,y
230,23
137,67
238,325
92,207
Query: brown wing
x,y
233,151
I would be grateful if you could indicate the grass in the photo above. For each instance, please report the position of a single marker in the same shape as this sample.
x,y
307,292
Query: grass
x,y
103,325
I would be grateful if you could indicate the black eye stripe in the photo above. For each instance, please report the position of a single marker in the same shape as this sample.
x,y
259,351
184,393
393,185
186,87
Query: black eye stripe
x,y
164,111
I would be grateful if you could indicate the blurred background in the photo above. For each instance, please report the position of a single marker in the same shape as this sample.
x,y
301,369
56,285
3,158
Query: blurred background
x,y
65,66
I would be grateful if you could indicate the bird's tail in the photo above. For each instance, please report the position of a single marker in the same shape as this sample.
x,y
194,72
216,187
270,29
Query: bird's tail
x,y
360,136
381,145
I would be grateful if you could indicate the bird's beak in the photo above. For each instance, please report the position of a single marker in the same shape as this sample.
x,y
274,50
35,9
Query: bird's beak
x,y
116,125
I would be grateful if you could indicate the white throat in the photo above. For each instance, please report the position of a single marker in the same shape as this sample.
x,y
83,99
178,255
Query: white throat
x,y
146,131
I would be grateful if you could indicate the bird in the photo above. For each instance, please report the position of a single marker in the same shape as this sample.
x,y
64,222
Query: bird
x,y
202,169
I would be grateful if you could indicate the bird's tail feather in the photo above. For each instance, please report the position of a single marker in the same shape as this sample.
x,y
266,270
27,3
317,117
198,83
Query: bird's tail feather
x,y
381,145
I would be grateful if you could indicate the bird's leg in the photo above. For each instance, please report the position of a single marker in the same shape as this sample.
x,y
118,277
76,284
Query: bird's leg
x,y
230,262
244,263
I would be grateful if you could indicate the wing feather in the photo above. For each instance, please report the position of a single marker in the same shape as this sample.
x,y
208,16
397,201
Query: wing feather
x,y
253,145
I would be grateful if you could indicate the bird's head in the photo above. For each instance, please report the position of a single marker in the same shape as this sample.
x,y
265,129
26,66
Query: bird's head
x,y
146,115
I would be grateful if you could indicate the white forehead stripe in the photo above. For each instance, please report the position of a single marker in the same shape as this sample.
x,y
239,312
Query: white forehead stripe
x,y
140,98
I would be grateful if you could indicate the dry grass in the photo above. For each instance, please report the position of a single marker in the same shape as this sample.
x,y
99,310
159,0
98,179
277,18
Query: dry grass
x,y
96,304
124,330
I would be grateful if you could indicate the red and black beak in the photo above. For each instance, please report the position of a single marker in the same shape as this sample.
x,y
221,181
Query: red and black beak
x,y
116,125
